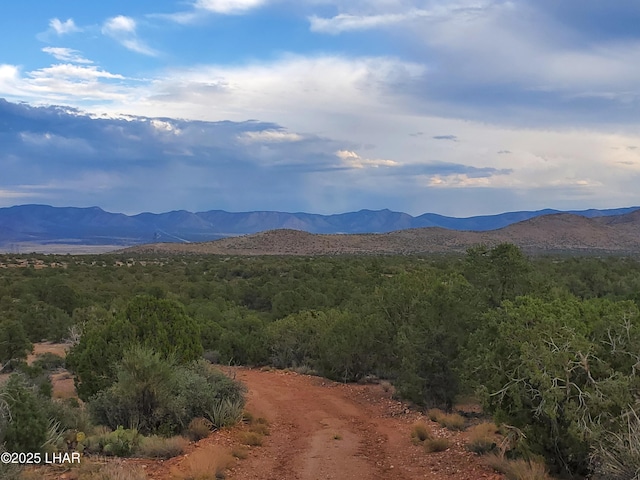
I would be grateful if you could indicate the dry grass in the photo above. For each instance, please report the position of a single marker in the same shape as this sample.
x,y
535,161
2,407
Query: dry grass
x,y
63,386
199,428
240,452
387,387
208,463
108,470
450,421
247,417
259,428
160,447
483,438
40,348
518,469
617,457
436,445
420,433
253,439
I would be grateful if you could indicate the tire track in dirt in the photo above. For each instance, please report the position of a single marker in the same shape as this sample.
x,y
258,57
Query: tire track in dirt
x,y
317,432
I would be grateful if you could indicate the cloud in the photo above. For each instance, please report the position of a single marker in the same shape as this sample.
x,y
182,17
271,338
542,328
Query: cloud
x,y
381,14
509,62
70,71
271,136
62,83
11,194
66,54
353,160
123,29
64,155
228,6
62,28
349,22
451,138
119,24
202,8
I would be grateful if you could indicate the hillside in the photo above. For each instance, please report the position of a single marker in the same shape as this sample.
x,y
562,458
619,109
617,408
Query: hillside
x,y
548,233
59,229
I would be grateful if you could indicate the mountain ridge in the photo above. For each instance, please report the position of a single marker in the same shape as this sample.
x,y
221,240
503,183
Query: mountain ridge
x,y
47,225
545,234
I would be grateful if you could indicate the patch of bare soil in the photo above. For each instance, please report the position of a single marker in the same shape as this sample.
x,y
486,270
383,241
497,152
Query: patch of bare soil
x,y
59,349
326,430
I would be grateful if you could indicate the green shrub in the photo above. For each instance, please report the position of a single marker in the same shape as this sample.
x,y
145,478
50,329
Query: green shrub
x,y
9,471
14,343
27,429
160,325
70,414
49,361
159,397
206,392
226,412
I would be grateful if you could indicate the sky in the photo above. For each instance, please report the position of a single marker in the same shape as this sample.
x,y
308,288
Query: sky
x,y
457,107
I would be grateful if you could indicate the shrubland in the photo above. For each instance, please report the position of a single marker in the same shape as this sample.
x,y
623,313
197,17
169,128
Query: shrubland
x,y
550,345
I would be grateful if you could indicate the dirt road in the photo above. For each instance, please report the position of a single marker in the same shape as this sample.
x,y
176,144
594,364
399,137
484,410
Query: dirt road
x,y
324,430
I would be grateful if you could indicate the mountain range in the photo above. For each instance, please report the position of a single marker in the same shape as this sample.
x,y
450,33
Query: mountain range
x,y
546,234
27,226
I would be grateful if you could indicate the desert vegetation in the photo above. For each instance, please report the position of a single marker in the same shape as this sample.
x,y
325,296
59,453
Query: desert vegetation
x,y
548,345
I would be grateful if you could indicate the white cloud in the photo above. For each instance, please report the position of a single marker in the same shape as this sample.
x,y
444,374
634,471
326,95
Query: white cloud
x,y
353,160
14,194
376,14
228,6
119,24
292,90
62,28
68,71
271,136
348,22
203,8
63,84
165,127
66,54
471,44
123,30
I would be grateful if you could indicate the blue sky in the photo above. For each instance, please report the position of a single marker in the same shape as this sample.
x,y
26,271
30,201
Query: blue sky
x,y
457,107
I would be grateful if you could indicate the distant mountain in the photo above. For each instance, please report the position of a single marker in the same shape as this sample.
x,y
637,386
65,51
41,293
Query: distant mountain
x,y
33,225
554,233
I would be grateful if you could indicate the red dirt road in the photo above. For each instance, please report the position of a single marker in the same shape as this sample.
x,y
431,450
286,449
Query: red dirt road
x,y
325,430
